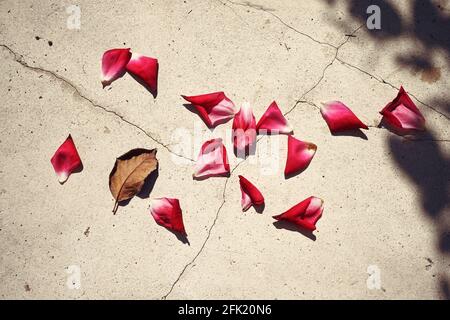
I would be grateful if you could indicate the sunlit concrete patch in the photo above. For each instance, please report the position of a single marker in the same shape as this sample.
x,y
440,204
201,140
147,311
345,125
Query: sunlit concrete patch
x,y
382,234
44,224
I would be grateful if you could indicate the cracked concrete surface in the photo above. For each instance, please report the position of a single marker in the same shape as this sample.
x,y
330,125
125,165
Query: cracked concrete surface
x,y
290,51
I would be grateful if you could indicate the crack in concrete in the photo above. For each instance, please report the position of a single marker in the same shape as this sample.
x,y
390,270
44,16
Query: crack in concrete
x,y
379,126
164,297
234,12
269,11
381,80
316,84
226,182
351,35
19,59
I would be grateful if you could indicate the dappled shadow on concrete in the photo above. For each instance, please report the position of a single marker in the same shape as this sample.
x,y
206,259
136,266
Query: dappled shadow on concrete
x,y
426,24
428,168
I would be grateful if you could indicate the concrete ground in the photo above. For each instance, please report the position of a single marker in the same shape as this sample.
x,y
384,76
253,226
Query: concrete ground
x,y
385,232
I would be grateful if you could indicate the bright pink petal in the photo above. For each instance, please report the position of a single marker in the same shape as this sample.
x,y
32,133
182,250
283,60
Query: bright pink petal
x,y
402,114
145,69
300,154
250,194
408,119
340,118
214,108
273,121
244,130
305,214
167,213
114,64
212,160
66,160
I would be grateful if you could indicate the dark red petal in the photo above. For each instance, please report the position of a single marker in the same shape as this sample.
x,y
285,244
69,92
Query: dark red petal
x,y
273,121
145,69
340,118
214,108
300,154
167,213
114,64
304,214
250,194
66,160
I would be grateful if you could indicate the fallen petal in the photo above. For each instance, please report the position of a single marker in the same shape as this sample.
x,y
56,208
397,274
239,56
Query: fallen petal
x,y
145,70
167,213
300,154
244,130
403,115
251,196
66,160
340,118
214,108
212,160
114,64
273,121
305,214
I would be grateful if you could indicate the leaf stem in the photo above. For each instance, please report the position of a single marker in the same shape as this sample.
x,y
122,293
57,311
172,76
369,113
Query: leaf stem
x,y
116,206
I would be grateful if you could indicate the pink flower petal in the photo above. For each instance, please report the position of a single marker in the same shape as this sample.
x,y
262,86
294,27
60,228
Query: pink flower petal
x,y
300,154
273,121
167,213
244,130
212,160
145,69
214,108
305,214
340,118
403,115
66,160
250,194
114,64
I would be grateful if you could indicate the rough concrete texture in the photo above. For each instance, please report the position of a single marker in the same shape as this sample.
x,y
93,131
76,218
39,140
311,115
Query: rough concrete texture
x,y
386,199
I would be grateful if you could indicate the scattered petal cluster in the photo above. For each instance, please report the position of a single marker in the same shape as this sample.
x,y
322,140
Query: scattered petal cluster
x,y
136,168
116,62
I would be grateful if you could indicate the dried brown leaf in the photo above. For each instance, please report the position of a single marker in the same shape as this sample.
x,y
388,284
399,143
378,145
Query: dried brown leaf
x,y
129,173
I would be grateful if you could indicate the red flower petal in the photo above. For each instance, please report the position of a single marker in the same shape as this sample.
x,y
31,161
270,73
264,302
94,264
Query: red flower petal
x,y
402,114
305,214
167,213
250,194
145,69
66,160
300,154
214,108
340,118
114,64
273,121
212,160
244,130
